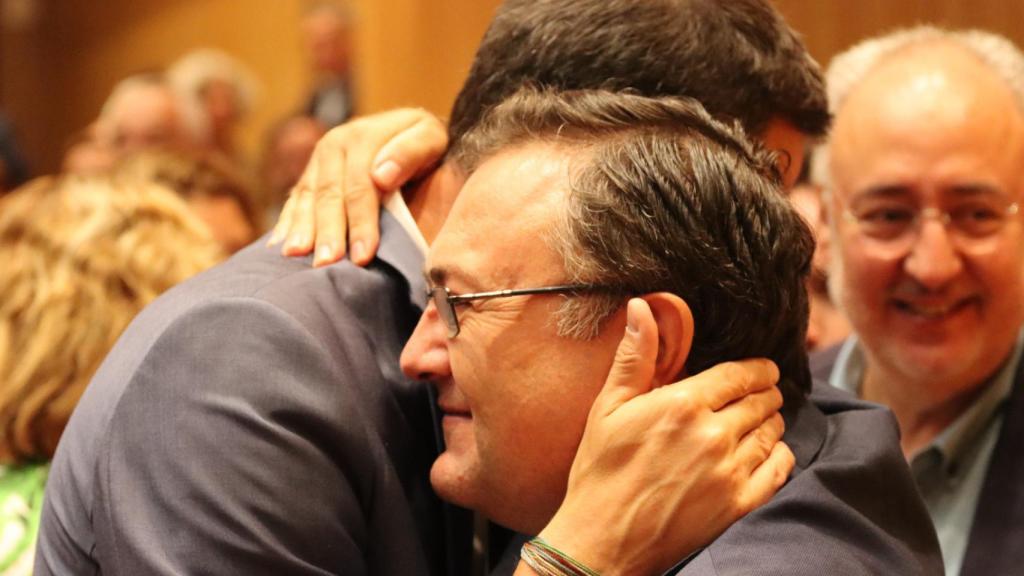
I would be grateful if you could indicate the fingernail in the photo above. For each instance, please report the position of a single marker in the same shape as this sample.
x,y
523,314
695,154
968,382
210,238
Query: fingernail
x,y
295,242
631,326
358,251
323,254
386,173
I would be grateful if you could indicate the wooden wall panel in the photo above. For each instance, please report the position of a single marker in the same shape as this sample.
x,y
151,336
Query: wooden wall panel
x,y
830,27
55,74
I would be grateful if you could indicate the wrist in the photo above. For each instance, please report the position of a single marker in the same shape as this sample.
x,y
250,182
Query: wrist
x,y
548,560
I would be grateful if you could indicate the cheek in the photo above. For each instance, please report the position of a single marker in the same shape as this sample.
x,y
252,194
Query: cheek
x,y
1002,278
865,276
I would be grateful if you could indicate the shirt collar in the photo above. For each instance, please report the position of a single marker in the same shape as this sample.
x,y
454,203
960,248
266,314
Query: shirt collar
x,y
953,443
400,210
403,248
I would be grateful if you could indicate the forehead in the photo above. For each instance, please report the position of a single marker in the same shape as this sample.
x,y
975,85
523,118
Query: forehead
x,y
498,232
935,119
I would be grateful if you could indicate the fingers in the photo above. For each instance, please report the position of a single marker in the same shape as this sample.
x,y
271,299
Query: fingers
x,y
746,414
336,203
329,202
755,447
284,222
730,381
413,151
362,205
768,478
632,370
300,238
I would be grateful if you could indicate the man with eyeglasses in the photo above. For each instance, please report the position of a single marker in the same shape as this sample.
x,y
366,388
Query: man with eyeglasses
x,y
926,175
588,213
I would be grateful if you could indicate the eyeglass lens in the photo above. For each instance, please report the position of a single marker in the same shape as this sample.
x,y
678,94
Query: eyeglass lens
x,y
445,310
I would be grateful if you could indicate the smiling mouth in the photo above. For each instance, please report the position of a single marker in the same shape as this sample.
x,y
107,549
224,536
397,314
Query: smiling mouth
x,y
933,311
455,412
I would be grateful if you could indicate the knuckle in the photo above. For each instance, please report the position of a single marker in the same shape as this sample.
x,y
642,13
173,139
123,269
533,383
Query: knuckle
x,y
716,438
328,192
687,406
359,190
764,440
734,373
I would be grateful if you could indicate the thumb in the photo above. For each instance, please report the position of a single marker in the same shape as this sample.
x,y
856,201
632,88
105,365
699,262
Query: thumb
x,y
632,371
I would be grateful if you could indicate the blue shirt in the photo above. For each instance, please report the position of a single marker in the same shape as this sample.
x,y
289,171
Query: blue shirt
x,y
950,470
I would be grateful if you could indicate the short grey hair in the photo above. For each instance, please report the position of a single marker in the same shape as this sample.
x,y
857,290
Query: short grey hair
x,y
850,68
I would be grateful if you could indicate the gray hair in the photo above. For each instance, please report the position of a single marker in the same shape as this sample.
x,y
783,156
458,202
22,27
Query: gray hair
x,y
190,74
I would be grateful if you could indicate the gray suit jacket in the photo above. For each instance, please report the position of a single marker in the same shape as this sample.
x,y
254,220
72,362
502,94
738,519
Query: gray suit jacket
x,y
254,421
850,506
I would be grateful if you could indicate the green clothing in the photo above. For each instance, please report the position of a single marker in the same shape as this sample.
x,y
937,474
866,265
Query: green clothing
x,y
21,503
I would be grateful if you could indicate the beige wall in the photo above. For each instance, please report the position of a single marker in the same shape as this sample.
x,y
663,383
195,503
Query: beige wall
x,y
55,73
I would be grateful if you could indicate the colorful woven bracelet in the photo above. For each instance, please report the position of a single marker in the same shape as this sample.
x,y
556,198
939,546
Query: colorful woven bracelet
x,y
546,560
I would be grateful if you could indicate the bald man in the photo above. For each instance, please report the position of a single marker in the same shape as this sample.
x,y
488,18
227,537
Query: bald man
x,y
926,173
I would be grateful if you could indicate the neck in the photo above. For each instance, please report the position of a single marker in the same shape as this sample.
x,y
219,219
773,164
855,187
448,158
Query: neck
x,y
431,199
922,415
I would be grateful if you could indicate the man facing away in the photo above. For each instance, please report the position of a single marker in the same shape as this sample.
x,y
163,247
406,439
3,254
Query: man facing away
x,y
926,177
575,204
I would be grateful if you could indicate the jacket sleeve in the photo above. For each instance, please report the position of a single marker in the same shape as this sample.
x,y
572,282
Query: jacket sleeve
x,y
235,450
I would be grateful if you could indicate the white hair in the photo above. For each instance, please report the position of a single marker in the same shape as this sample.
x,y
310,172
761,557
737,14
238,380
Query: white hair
x,y
191,73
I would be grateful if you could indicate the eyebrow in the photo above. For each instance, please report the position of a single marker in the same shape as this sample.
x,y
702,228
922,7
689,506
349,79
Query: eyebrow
x,y
440,275
900,191
980,189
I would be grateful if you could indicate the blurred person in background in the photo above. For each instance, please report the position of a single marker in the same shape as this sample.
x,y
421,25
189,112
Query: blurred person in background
x,y
87,155
288,147
827,325
213,187
13,168
327,28
143,112
216,93
81,258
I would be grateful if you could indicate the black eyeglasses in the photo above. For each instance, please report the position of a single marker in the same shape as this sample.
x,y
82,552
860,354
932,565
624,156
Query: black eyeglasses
x,y
446,301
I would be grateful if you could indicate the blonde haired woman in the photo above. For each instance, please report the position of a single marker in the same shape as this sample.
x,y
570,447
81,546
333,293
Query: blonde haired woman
x,y
78,259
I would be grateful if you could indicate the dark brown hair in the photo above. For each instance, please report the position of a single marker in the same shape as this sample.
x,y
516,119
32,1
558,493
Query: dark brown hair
x,y
738,58
665,198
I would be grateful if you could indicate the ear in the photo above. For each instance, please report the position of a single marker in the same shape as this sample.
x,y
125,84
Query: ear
x,y
675,335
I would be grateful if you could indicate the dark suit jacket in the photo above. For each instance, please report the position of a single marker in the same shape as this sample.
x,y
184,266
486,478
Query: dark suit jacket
x,y
849,508
254,421
996,542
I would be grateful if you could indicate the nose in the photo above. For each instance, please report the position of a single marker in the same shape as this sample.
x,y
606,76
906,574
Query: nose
x,y
425,356
933,260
